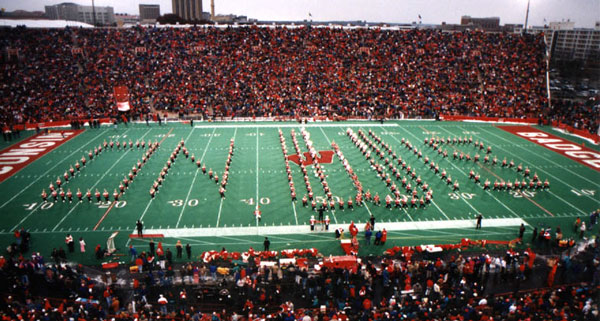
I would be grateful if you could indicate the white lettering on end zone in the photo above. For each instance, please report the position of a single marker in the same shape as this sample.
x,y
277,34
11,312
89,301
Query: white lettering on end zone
x,y
576,152
30,149
5,169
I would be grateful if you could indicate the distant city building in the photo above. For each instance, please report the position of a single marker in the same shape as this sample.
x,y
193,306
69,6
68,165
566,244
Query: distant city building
x,y
565,42
561,25
149,12
75,12
488,24
188,9
229,18
22,14
576,44
126,19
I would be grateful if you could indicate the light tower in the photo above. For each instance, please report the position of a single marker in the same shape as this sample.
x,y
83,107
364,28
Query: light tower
x,y
526,18
212,9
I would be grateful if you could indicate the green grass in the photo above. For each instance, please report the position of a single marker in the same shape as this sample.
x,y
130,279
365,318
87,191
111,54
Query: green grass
x,y
189,202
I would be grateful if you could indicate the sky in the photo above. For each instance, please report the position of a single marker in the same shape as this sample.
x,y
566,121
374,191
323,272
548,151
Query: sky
x,y
583,12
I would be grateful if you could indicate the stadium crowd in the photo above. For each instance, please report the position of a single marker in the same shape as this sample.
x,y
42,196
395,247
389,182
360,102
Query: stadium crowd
x,y
580,115
514,285
251,71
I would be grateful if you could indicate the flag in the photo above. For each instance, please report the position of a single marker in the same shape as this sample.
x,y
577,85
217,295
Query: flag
x,y
122,98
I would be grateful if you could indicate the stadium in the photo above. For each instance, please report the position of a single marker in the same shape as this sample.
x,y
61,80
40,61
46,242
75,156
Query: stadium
x,y
293,172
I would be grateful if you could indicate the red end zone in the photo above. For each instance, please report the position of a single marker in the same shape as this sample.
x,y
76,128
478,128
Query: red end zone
x,y
18,156
578,153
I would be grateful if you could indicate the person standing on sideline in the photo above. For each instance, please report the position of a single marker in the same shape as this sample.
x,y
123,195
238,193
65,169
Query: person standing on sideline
x,y
378,238
372,220
368,234
188,251
521,231
582,230
70,243
133,252
81,245
179,248
140,227
479,218
267,243
151,244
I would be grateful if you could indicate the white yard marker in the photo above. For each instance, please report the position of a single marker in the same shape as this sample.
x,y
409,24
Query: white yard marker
x,y
257,199
290,125
51,168
547,173
195,175
295,215
558,179
488,192
222,198
464,200
28,215
329,142
97,182
303,229
293,203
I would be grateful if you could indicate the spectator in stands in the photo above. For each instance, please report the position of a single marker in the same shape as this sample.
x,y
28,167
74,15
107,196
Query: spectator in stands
x,y
273,72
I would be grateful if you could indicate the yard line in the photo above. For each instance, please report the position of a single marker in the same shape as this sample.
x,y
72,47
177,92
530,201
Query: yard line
x,y
222,198
489,193
464,200
547,173
195,174
329,142
439,209
293,203
289,125
141,218
295,215
257,200
410,217
98,181
51,168
303,229
28,215
121,193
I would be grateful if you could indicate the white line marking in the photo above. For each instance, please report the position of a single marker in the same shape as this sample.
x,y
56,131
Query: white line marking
x,y
304,229
288,125
195,174
488,192
439,209
257,199
26,217
329,146
221,205
464,200
51,168
98,181
295,215
549,160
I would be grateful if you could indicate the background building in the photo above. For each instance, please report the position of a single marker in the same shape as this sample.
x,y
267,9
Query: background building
x,y
149,12
488,24
188,9
123,19
75,12
576,44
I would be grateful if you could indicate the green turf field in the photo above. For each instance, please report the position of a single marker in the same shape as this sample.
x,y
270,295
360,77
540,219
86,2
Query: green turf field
x,y
189,208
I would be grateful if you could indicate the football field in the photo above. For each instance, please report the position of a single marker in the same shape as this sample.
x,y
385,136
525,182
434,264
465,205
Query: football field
x,y
189,207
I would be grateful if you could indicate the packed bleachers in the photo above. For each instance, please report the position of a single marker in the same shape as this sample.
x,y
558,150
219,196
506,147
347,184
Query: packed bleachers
x,y
252,71
577,114
458,286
